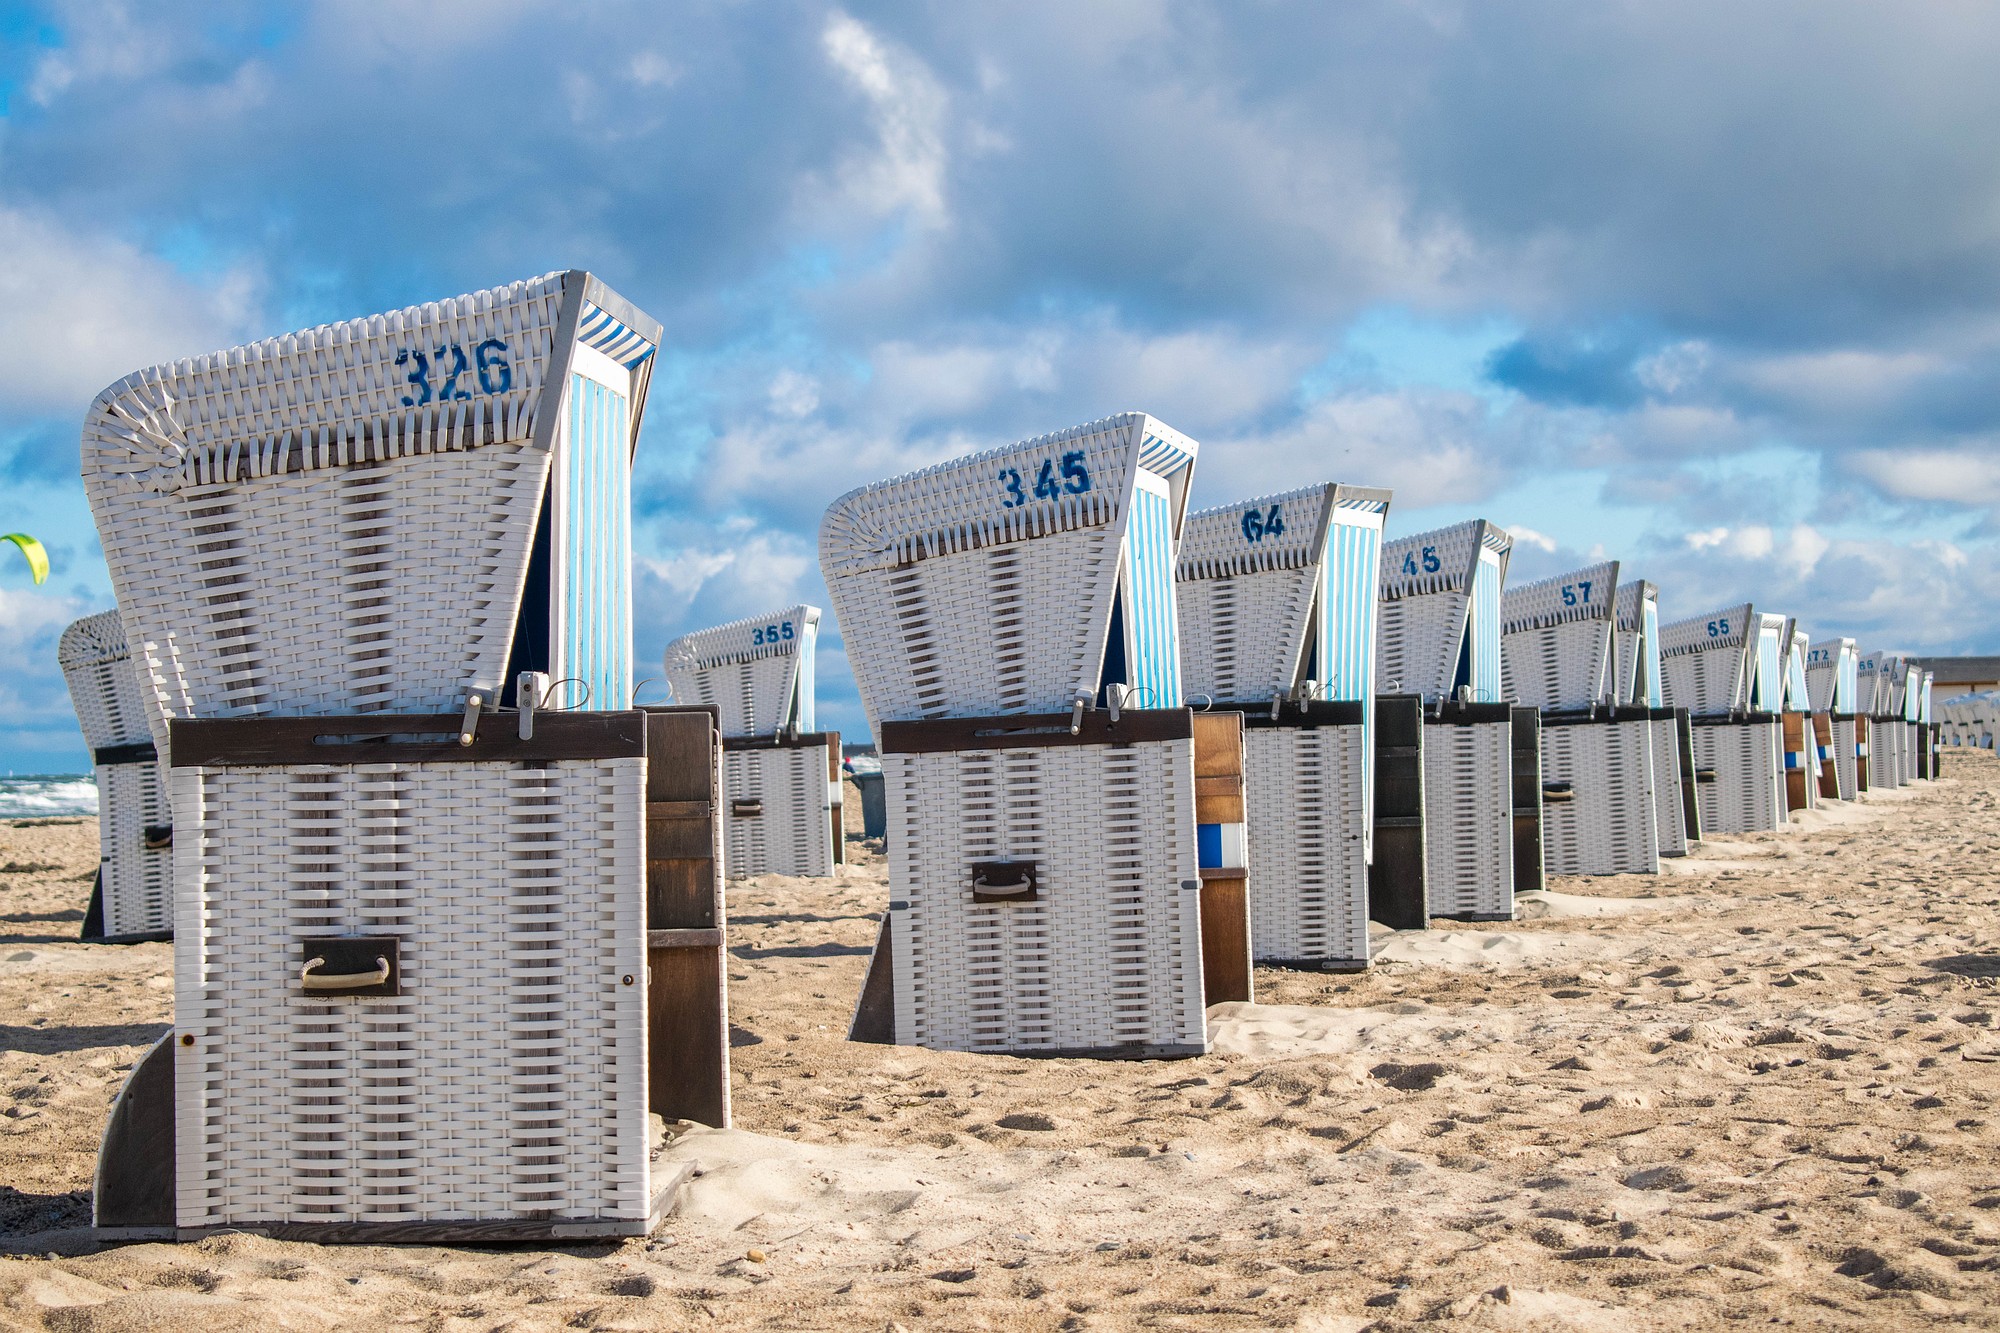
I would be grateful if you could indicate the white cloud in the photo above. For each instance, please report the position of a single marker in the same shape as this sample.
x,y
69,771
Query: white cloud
x,y
1961,476
904,172
78,310
1527,536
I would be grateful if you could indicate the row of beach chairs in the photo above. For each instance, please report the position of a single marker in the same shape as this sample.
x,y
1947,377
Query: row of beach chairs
x,y
447,903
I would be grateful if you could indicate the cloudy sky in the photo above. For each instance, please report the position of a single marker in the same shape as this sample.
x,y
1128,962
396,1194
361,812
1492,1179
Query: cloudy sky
x,y
1710,288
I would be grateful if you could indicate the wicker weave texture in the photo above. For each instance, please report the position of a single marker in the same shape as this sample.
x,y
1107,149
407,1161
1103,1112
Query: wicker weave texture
x,y
339,520
1846,771
1108,955
1555,645
987,585
757,671
507,1081
1469,819
1707,660
97,666
1306,822
1748,794
1441,593
793,833
1830,675
136,881
1610,824
1669,815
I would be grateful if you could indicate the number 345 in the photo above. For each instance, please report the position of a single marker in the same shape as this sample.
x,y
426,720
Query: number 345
x,y
1074,479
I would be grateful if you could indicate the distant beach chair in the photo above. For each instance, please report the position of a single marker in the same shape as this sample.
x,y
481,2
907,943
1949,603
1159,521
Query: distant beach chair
x,y
780,775
1726,668
1833,682
1636,659
1010,619
1277,621
1802,764
417,939
1440,640
1875,673
1928,730
133,897
1598,811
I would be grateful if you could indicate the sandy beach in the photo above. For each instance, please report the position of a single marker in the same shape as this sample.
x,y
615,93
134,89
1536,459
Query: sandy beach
x,y
1759,1089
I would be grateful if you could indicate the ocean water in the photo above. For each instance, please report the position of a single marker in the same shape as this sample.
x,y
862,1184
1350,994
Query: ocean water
x,y
45,794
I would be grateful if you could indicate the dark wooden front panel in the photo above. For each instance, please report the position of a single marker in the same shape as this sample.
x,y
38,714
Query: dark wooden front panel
x,y
686,1001
1794,725
1397,893
1225,902
135,1165
687,1067
1526,726
838,815
1860,755
1829,776
1690,800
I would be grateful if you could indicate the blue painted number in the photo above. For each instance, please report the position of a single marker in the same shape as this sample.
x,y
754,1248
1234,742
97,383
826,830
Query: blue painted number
x,y
496,375
1258,525
764,634
1572,598
1053,479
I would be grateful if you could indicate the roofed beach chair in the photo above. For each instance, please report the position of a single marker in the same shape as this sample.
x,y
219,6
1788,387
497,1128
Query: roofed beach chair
x,y
1874,673
417,938
1636,661
133,898
1277,622
780,775
1726,669
1802,764
1598,811
1010,620
1440,640
1833,683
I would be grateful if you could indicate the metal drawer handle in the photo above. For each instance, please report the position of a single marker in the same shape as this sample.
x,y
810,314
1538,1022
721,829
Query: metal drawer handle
x,y
1024,886
342,980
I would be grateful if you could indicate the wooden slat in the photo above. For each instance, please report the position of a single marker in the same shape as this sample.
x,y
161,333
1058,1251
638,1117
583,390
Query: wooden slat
x,y
1225,939
684,939
687,1067
1794,742
1396,877
242,742
135,1166
1225,903
838,812
1526,755
805,740
1035,730
687,1020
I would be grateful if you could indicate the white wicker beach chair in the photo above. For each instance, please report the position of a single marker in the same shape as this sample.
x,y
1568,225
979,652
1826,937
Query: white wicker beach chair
x,y
780,776
134,895
1832,683
1636,663
1010,620
342,520
1874,672
1725,668
1599,815
416,941
1440,639
1801,748
1277,619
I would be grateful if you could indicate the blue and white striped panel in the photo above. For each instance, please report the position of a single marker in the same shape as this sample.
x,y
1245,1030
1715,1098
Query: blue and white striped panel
x,y
1847,682
1650,649
1158,455
1152,636
1352,570
1484,635
808,653
596,631
1797,698
1769,696
598,329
